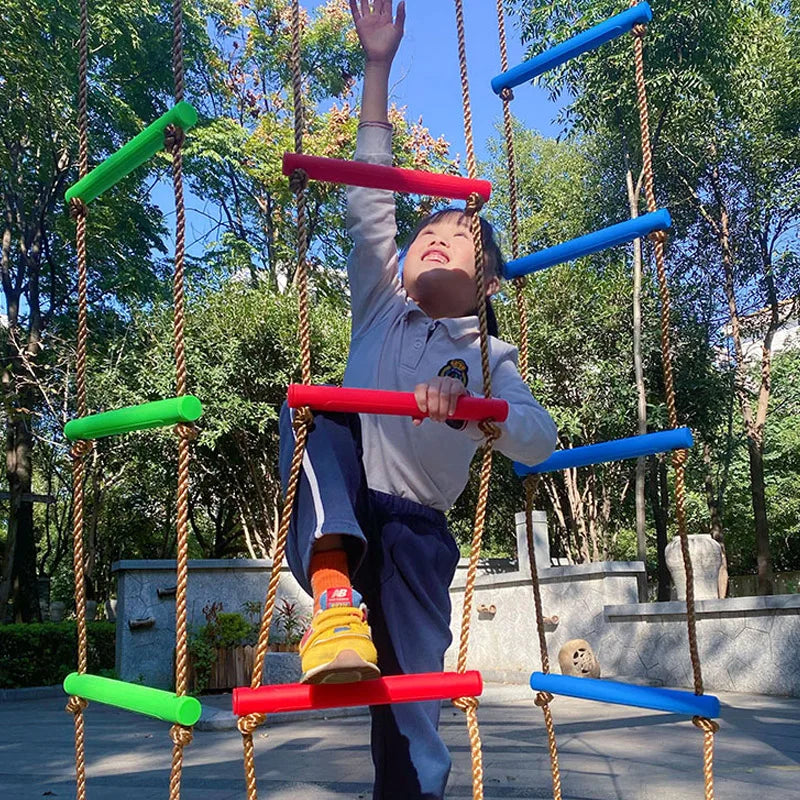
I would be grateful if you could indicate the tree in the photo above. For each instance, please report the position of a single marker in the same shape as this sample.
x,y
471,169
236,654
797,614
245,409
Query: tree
x,y
724,100
238,75
37,163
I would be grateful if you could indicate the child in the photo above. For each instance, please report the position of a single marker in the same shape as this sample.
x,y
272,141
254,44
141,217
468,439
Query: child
x,y
373,490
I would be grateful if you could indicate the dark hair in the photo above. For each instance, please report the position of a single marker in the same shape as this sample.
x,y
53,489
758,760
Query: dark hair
x,y
493,264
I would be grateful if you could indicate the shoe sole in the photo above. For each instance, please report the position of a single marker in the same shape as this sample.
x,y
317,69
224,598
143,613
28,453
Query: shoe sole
x,y
347,667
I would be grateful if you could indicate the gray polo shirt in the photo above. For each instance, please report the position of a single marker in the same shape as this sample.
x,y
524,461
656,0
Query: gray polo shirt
x,y
395,346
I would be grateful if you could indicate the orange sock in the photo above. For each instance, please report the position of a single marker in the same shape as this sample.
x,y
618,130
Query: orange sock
x,y
328,571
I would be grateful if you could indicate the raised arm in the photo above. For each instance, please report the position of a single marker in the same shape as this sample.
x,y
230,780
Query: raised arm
x,y
372,265
380,37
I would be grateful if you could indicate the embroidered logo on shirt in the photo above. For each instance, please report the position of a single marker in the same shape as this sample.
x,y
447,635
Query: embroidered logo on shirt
x,y
456,368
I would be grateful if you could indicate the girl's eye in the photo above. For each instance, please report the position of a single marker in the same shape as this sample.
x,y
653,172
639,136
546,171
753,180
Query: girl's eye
x,y
462,235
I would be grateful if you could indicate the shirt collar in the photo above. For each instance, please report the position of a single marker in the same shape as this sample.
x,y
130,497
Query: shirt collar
x,y
457,327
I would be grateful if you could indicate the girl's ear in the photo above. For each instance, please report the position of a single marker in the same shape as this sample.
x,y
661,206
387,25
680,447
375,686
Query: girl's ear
x,y
492,286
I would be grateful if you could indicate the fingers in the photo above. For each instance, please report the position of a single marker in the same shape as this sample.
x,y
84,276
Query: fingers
x,y
379,7
439,397
421,396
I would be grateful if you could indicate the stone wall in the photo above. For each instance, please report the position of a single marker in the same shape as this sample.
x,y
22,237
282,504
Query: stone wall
x,y
746,644
144,653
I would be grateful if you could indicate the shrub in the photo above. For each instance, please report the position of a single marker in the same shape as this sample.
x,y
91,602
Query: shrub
x,y
222,630
43,654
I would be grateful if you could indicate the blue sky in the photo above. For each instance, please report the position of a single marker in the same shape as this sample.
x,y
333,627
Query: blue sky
x,y
426,77
426,80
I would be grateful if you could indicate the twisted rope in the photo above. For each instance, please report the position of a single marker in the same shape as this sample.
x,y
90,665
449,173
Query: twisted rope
x,y
489,429
513,202
709,728
543,699
679,457
174,139
298,181
78,211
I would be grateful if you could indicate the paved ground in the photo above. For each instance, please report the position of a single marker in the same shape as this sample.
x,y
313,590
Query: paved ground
x,y
607,752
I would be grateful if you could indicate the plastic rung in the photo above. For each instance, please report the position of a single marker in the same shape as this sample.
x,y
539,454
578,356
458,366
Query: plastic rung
x,y
157,414
379,176
392,689
623,694
588,40
617,450
157,703
378,401
136,152
594,242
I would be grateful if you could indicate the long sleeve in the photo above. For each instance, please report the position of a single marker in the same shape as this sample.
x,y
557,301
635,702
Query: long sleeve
x,y
529,434
375,289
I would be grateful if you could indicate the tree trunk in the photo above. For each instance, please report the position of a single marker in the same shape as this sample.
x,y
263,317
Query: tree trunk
x,y
638,369
755,450
753,426
19,584
659,500
716,529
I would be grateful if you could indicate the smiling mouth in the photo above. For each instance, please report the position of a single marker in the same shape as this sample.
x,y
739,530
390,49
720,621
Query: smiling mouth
x,y
436,256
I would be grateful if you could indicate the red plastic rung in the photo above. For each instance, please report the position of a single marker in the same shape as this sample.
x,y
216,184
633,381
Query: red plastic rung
x,y
392,689
379,176
379,401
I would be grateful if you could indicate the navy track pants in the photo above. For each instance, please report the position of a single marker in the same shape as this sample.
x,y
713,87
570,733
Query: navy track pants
x,y
402,559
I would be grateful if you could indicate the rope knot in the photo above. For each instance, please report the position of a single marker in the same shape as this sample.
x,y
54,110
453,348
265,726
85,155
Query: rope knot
x,y
466,703
247,725
174,137
303,417
75,704
705,724
474,204
639,31
507,94
81,448
490,430
181,735
186,431
298,180
77,208
659,237
542,699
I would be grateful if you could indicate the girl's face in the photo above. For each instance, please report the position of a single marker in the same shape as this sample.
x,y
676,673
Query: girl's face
x,y
439,268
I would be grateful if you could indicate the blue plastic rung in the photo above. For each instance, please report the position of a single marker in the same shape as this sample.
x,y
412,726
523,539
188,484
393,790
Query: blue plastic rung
x,y
623,694
617,450
590,243
588,40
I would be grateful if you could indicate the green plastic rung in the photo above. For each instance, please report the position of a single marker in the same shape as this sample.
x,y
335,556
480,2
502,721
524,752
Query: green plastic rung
x,y
157,414
142,147
156,703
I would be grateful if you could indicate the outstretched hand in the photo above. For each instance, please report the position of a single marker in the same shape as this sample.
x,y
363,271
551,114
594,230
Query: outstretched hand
x,y
378,33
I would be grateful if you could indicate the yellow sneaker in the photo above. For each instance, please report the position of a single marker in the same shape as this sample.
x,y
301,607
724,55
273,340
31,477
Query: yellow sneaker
x,y
337,647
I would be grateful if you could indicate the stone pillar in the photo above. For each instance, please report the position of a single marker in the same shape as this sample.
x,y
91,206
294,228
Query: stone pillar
x,y
541,543
706,555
